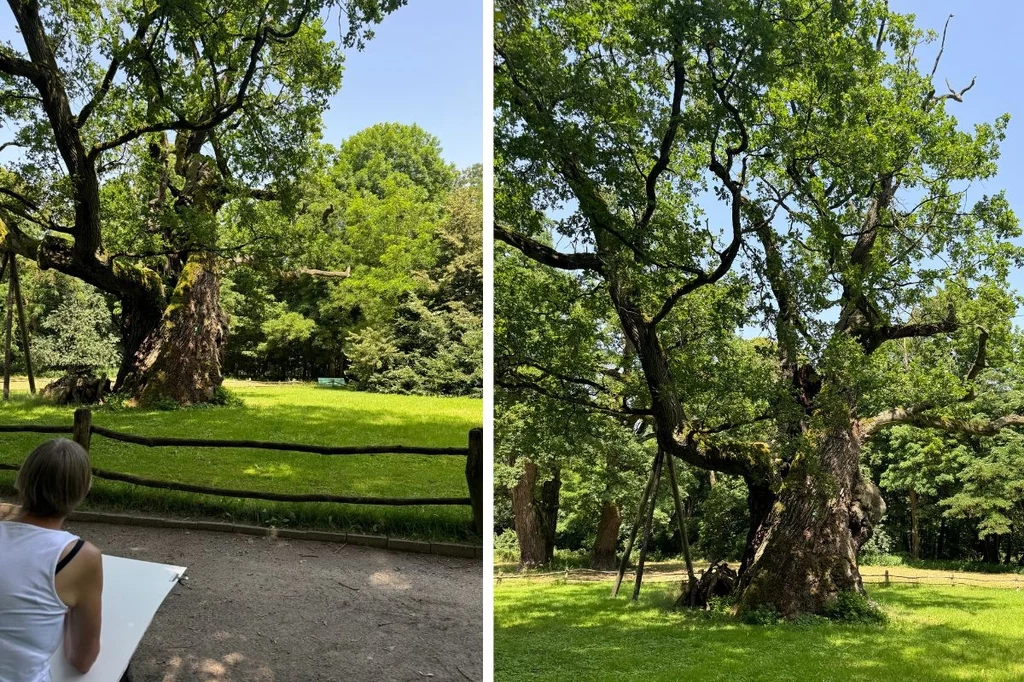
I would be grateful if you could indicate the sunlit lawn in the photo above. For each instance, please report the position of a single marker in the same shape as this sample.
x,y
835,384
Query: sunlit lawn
x,y
298,413
561,631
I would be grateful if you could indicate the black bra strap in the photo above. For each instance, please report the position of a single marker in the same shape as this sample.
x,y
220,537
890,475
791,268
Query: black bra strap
x,y
70,555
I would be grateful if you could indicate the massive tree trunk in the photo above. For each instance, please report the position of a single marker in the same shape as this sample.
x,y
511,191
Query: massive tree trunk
x,y
180,357
607,542
535,514
823,514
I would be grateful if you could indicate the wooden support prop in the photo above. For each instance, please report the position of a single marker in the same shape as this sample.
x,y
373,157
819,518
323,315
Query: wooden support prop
x,y
658,462
81,432
670,460
632,533
475,478
21,323
7,342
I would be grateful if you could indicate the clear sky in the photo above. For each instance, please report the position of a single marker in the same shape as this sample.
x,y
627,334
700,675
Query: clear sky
x,y
985,40
424,66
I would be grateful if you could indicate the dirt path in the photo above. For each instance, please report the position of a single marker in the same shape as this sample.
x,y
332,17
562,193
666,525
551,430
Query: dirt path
x,y
261,609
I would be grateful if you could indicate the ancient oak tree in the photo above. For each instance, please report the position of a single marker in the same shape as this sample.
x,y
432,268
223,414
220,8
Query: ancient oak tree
x,y
796,157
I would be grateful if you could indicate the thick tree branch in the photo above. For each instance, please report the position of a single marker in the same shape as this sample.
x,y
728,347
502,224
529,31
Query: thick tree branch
x,y
665,151
973,427
981,359
520,384
873,337
545,254
14,65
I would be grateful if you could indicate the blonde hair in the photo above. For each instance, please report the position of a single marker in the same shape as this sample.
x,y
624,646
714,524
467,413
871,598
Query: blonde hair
x,y
54,478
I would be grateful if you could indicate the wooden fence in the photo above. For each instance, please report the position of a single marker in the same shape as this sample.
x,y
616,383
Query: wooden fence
x,y
868,577
83,429
943,578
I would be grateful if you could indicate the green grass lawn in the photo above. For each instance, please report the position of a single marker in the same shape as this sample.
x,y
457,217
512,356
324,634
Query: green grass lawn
x,y
279,412
563,631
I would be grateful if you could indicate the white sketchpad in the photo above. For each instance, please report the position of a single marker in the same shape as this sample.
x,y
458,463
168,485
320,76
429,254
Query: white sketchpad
x,y
132,592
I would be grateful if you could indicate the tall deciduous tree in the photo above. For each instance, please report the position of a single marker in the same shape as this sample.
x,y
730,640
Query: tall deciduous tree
x,y
139,122
802,146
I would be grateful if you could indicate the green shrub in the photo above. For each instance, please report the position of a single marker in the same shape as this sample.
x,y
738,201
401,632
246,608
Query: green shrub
x,y
223,396
853,607
871,559
506,546
762,615
809,620
720,605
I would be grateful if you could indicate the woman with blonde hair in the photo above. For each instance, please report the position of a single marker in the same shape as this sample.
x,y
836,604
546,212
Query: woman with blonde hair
x,y
51,581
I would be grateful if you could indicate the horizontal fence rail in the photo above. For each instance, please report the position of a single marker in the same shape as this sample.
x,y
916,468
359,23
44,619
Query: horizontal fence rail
x,y
937,579
940,579
160,441
83,429
34,428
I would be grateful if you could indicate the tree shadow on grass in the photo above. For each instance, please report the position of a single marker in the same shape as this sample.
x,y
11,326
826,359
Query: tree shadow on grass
x,y
360,419
548,632
377,420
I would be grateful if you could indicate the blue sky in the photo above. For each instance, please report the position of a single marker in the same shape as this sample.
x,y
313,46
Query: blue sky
x,y
424,66
984,40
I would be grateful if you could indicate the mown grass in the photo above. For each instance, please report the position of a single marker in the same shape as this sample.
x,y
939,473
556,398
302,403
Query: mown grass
x,y
562,631
279,412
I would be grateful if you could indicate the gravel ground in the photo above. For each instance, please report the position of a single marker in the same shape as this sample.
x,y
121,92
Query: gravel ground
x,y
260,609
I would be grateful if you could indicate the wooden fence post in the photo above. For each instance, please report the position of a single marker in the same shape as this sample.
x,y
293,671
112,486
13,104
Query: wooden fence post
x,y
475,477
887,577
82,431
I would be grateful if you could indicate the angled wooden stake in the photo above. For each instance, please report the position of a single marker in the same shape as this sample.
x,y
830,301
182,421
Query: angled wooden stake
x,y
21,322
632,533
658,461
7,342
682,519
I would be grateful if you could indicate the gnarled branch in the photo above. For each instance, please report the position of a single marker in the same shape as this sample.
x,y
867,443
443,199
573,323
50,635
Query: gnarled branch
x,y
545,254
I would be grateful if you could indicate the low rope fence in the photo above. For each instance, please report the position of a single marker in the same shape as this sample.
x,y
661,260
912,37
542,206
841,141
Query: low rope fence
x,y
83,429
950,579
869,577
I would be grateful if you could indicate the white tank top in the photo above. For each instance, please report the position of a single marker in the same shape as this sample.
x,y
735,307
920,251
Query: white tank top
x,y
31,613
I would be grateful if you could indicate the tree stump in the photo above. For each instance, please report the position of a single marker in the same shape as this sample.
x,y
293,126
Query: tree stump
x,y
80,387
718,581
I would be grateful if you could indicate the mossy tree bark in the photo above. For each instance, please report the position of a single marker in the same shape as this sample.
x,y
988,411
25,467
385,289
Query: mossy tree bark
x,y
180,359
808,546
